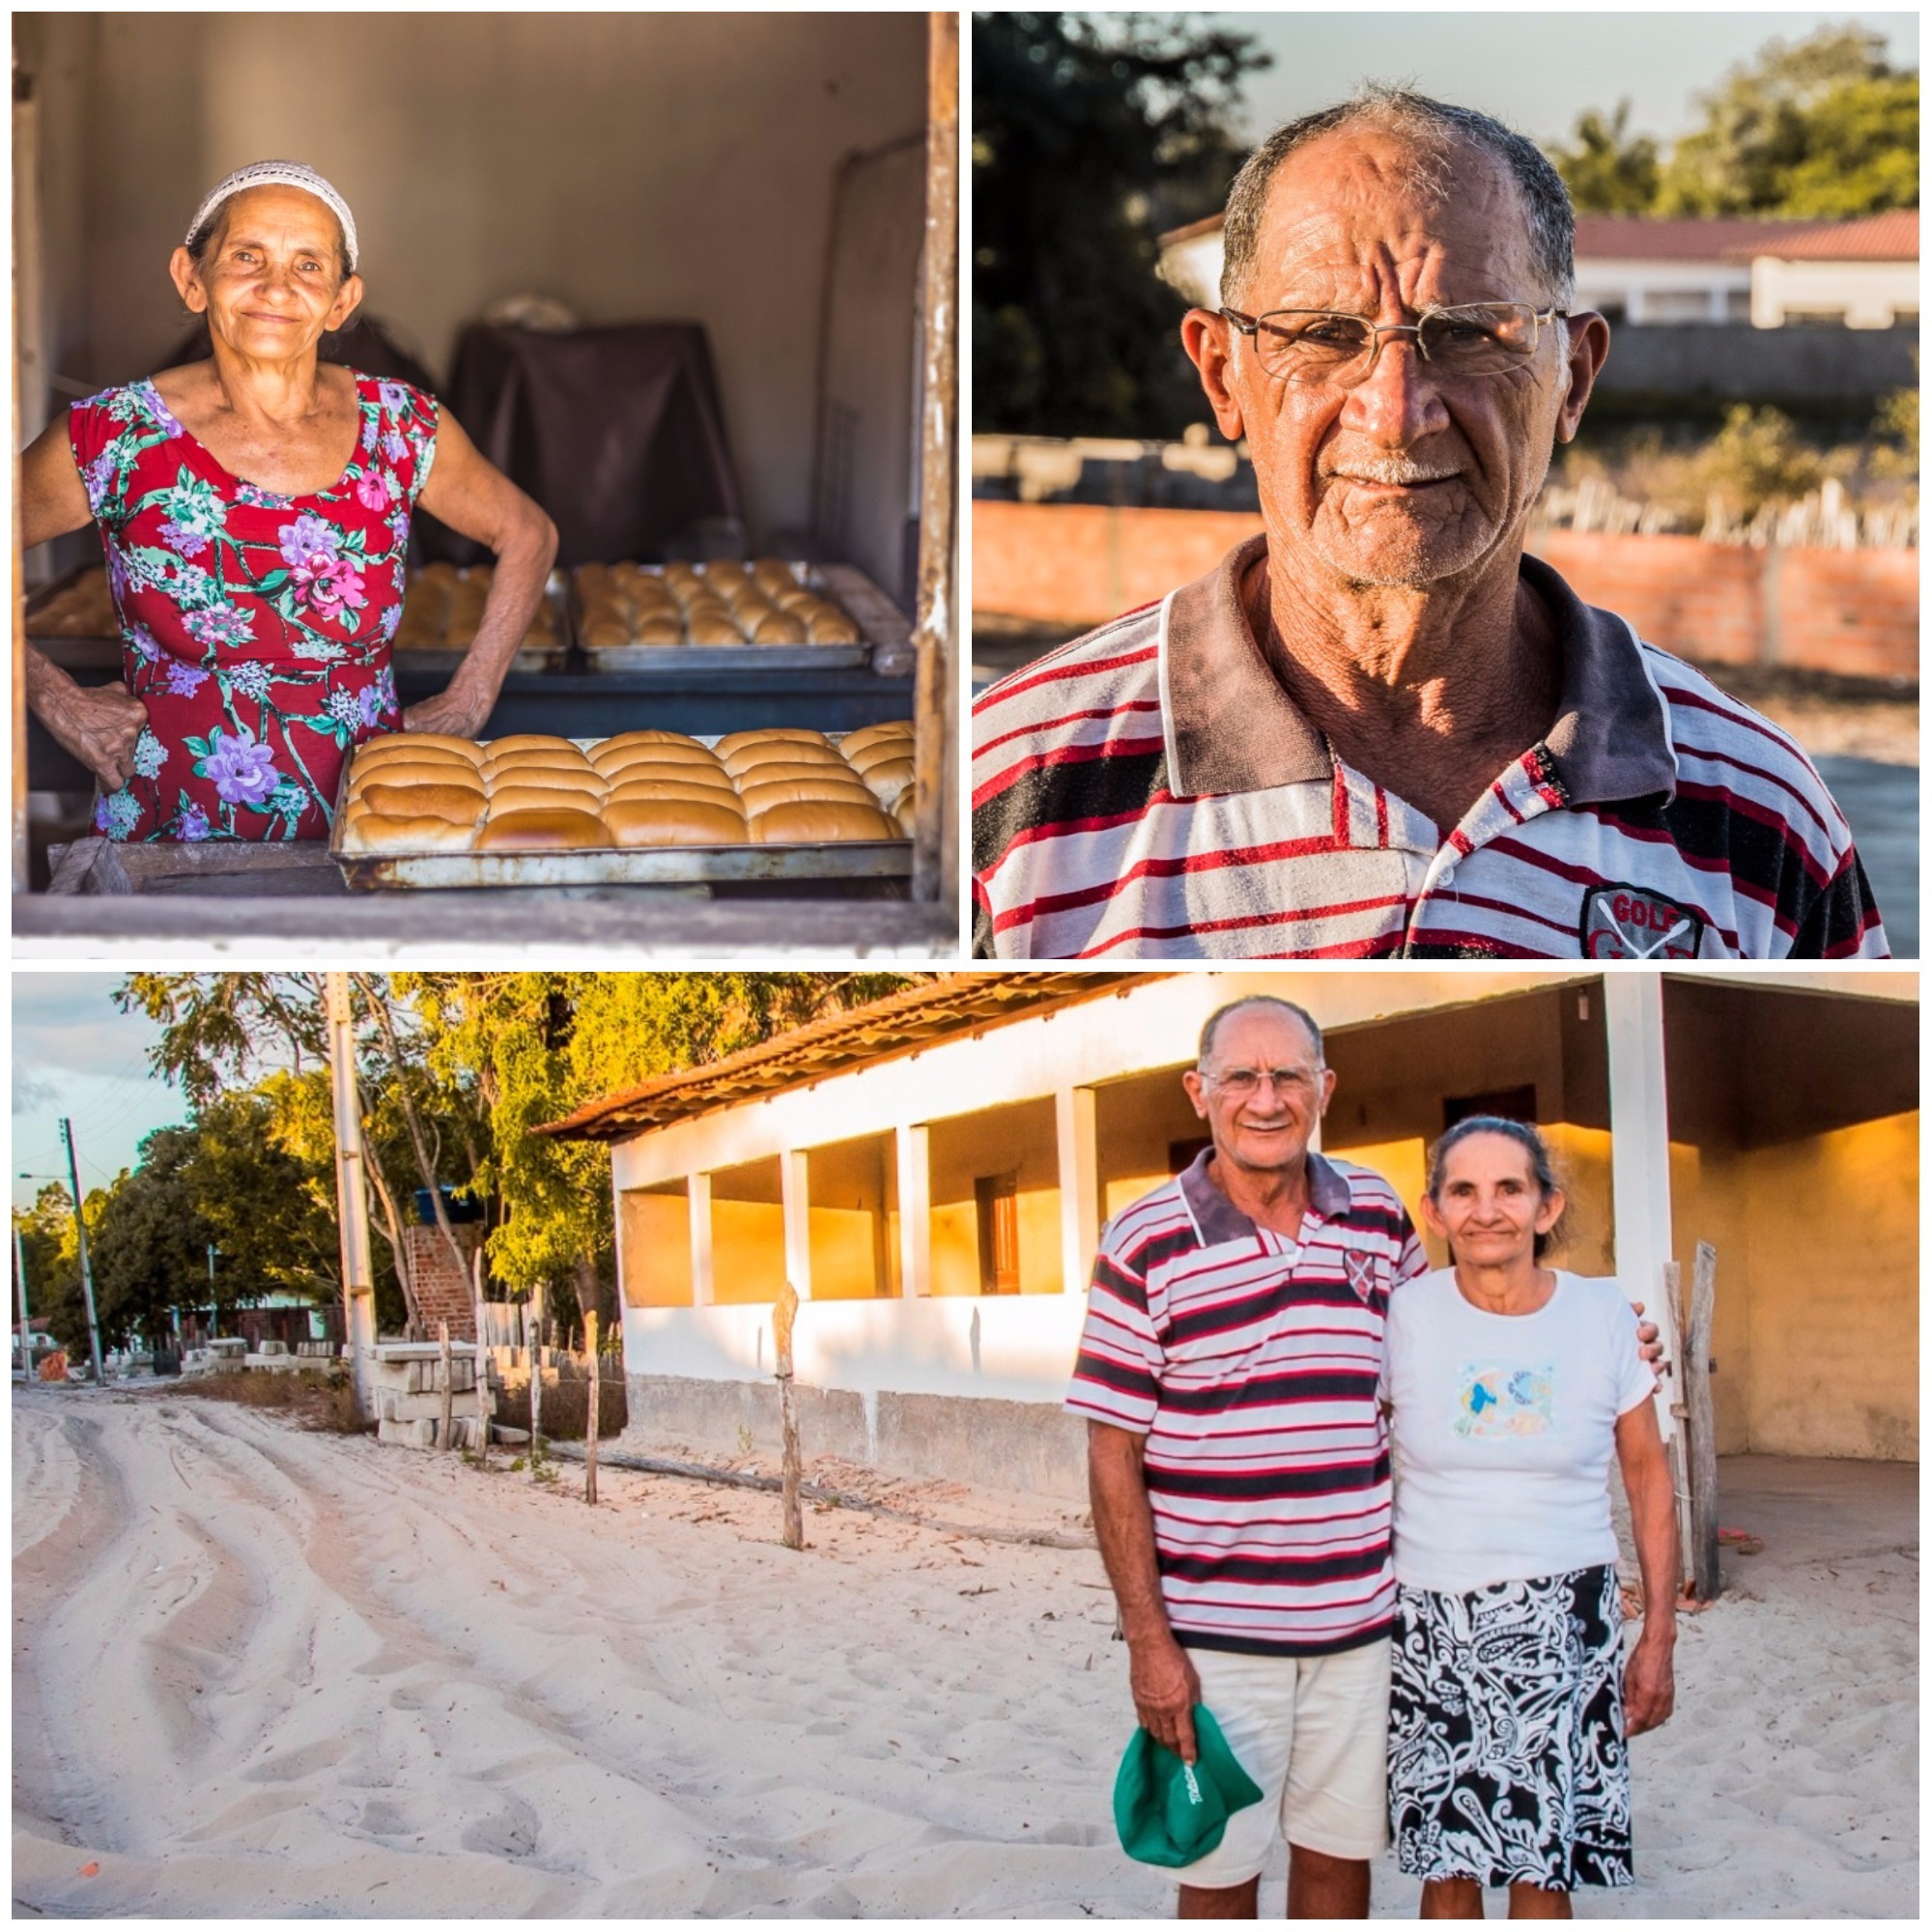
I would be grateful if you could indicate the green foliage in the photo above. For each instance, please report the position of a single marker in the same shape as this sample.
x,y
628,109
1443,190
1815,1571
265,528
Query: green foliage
x,y
1819,127
52,1256
1759,458
1088,140
1607,170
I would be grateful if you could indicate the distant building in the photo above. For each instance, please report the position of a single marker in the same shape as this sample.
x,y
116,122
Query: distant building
x,y
1639,271
932,1174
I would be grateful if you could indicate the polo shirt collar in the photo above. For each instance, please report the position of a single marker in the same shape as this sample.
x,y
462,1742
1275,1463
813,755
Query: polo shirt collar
x,y
1219,1220
1230,727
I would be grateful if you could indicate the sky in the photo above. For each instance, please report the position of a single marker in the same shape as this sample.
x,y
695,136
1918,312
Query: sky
x,y
75,1054
1536,71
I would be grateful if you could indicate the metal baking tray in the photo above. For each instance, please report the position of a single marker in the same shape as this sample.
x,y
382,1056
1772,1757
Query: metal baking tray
x,y
614,866
732,657
448,659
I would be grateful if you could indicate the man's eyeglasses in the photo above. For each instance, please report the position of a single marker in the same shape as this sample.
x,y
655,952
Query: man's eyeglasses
x,y
1313,345
1245,1082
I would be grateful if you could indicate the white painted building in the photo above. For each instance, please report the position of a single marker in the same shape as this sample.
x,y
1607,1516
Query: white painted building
x,y
1641,271
931,1174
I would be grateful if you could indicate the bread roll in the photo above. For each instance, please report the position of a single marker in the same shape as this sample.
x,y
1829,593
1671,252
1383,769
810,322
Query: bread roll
x,y
675,822
778,627
827,771
880,752
884,781
678,571
553,829
372,832
661,633
692,771
772,574
902,810
712,627
531,741
423,740
618,740
403,772
636,791
804,791
558,786
873,735
539,761
769,734
813,821
606,634
509,798
740,764
724,573
367,764
832,627
460,804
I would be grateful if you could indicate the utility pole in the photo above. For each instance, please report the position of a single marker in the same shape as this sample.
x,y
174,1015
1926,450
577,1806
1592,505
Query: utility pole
x,y
26,1319
214,1308
86,1272
352,1199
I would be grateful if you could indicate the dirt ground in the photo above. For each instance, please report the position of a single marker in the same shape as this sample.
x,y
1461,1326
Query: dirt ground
x,y
261,1670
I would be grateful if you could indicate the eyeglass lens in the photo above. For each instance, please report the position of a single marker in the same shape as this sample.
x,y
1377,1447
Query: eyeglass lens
x,y
1306,346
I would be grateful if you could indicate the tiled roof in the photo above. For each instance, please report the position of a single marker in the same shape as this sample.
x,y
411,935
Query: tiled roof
x,y
900,1023
1645,238
1892,237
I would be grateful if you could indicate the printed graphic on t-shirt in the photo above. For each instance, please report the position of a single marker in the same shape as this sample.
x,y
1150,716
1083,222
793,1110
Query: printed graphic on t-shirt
x,y
1497,1401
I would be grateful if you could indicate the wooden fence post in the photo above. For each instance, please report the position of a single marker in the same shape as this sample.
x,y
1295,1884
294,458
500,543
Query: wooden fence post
x,y
1701,1422
590,1427
482,1357
444,1430
536,1377
783,1312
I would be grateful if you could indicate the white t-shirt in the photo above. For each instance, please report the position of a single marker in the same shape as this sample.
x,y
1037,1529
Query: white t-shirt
x,y
1504,1427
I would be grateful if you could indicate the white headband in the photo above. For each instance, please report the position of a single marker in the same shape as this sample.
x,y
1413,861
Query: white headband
x,y
275,174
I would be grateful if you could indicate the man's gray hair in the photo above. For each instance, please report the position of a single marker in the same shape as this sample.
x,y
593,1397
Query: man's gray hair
x,y
1550,221
1287,1006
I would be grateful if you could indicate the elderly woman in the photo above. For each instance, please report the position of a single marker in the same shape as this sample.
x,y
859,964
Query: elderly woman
x,y
255,509
1510,1385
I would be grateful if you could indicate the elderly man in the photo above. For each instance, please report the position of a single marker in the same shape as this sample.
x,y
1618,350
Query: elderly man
x,y
1378,728
1240,1465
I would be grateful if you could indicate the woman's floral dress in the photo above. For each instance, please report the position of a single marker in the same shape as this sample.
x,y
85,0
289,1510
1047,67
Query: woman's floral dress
x,y
255,628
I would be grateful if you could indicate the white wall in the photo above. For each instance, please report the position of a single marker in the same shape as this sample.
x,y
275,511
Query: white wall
x,y
638,166
1870,293
1665,290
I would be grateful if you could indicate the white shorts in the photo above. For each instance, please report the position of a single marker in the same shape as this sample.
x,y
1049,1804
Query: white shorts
x,y
1313,1733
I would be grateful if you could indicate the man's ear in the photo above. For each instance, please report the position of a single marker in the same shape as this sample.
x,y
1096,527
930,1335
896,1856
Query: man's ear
x,y
1588,351
1209,339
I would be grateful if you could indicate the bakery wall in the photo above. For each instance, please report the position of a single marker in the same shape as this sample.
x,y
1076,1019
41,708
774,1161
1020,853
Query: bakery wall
x,y
668,166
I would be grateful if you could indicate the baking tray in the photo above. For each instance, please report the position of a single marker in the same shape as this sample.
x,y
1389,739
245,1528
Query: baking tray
x,y
732,656
648,866
448,659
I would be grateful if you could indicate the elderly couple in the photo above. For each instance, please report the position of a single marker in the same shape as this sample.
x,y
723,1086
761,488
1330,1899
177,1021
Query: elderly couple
x,y
1261,1332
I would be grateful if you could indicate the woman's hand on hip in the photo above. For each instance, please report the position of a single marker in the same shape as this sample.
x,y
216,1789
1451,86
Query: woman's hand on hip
x,y
100,724
1650,1687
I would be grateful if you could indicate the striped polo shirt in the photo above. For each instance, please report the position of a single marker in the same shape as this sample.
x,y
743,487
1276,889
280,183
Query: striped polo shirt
x,y
1152,791
1249,1360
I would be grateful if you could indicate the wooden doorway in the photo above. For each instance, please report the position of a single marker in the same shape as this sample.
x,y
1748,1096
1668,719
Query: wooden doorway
x,y
997,1199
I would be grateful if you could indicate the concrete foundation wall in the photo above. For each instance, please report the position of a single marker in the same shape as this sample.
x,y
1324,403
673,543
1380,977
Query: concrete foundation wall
x,y
1032,1448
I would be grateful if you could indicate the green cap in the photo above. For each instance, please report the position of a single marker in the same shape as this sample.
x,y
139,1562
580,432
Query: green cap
x,y
1171,1813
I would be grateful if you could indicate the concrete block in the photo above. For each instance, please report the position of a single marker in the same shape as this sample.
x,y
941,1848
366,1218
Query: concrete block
x,y
407,1435
511,1439
274,1348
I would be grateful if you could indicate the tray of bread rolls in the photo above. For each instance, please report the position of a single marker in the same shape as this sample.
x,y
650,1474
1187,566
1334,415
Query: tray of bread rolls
x,y
418,810
722,614
443,605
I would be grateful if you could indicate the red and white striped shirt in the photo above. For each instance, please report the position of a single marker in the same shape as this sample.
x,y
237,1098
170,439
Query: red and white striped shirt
x,y
1249,1360
1152,791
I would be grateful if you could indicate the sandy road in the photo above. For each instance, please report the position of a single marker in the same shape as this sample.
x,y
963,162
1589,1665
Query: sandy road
x,y
260,1672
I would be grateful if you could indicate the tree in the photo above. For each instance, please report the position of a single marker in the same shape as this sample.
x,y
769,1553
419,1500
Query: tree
x,y
1819,127
147,1242
1088,142
1608,170
52,1257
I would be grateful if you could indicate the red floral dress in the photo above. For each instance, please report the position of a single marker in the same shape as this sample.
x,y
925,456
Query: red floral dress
x,y
255,628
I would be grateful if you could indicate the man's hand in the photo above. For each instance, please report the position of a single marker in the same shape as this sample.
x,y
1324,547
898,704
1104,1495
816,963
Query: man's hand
x,y
1649,1343
1650,1686
448,711
98,724
1166,1687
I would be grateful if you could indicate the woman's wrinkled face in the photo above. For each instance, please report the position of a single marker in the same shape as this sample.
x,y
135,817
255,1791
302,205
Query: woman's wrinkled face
x,y
271,277
1488,1205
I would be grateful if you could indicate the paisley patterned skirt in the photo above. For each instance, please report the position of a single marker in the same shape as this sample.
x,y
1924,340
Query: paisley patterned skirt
x,y
1507,1762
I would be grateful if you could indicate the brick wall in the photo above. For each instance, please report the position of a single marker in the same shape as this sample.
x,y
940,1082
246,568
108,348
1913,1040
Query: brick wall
x,y
442,1289
1851,612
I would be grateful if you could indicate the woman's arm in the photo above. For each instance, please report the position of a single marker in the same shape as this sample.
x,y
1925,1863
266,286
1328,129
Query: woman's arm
x,y
475,498
98,724
1650,1686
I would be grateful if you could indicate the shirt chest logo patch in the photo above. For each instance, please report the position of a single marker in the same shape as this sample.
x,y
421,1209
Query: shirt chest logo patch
x,y
1361,1272
1630,922
1496,1402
